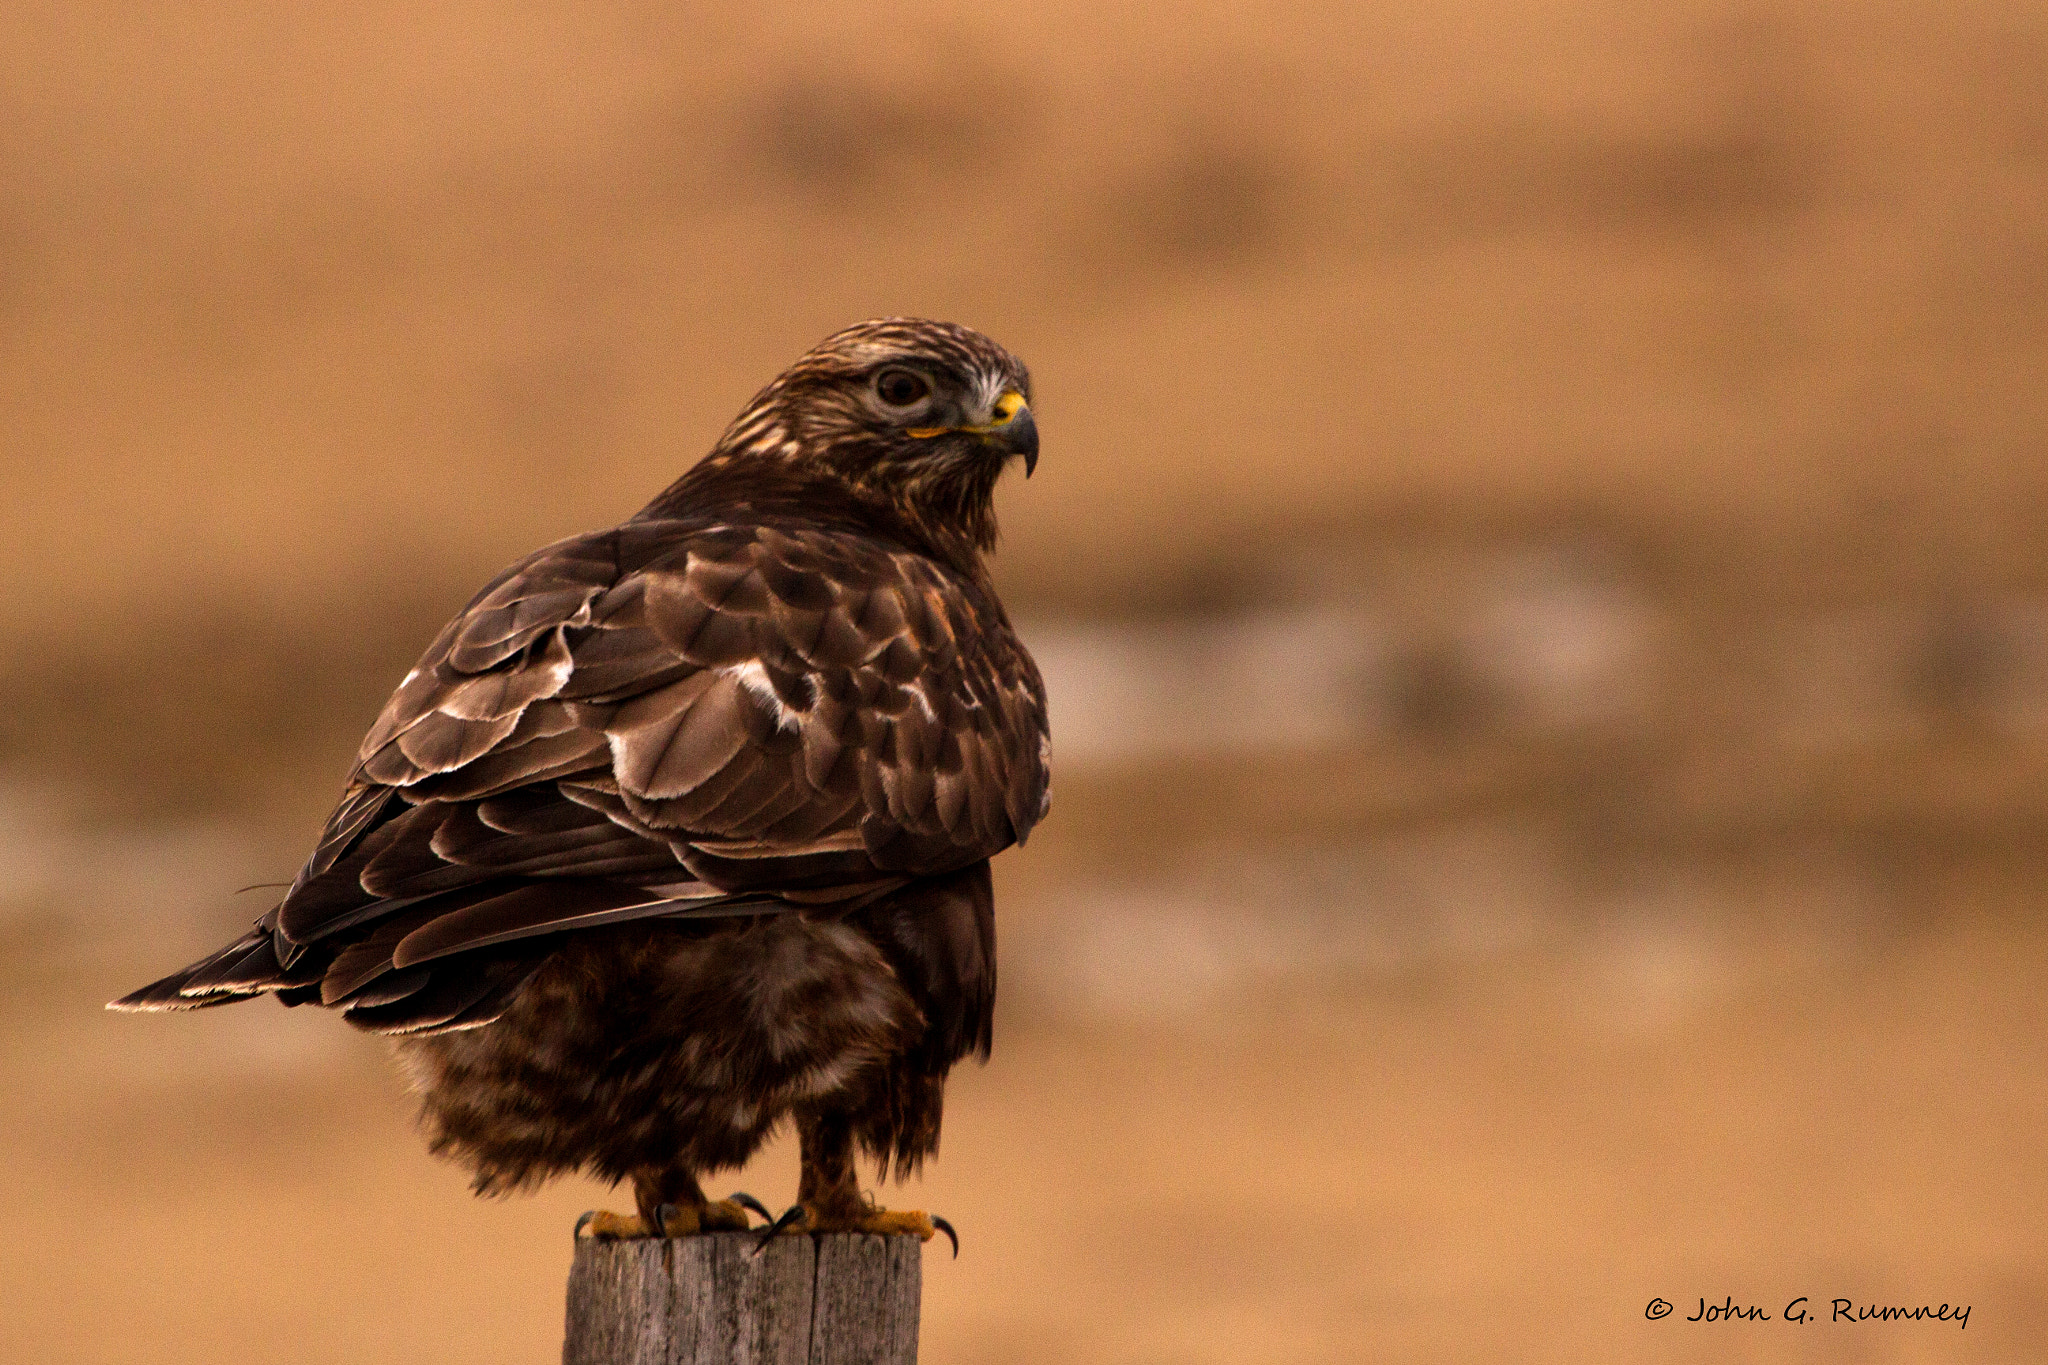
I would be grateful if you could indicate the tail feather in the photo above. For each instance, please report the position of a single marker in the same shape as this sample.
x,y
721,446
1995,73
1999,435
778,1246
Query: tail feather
x,y
163,995
244,969
448,999
481,943
251,968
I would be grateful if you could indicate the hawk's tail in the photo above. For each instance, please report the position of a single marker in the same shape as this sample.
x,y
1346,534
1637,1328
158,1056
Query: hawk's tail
x,y
246,968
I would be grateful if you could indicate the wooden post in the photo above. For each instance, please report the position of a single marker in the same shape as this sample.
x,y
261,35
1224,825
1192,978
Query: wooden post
x,y
840,1299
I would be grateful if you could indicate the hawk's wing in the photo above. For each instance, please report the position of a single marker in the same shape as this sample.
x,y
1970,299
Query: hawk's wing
x,y
747,693
661,719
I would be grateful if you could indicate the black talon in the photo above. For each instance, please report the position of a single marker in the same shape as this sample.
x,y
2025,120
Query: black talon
x,y
583,1222
661,1215
789,1215
751,1205
943,1226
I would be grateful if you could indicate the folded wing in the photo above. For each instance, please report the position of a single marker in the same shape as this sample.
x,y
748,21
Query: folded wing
x,y
666,719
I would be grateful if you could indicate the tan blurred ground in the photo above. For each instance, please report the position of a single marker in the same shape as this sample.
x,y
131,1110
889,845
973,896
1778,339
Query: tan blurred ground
x,y
1539,555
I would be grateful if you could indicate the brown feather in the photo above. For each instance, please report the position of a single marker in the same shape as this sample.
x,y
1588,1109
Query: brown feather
x,y
683,827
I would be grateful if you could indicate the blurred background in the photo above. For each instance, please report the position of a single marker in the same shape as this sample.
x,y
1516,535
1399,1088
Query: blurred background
x,y
1541,563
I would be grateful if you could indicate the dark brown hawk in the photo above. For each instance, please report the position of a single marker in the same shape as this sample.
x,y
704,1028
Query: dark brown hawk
x,y
682,828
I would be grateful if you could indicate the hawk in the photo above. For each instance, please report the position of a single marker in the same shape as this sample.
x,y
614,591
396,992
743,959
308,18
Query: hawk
x,y
682,829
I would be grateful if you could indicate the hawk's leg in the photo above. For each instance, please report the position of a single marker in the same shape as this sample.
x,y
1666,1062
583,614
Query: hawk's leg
x,y
671,1204
828,1197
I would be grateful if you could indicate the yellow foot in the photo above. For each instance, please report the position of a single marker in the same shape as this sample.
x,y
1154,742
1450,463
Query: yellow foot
x,y
897,1223
606,1226
885,1222
726,1215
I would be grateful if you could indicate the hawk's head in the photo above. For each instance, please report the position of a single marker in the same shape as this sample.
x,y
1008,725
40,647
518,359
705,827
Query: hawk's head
x,y
925,414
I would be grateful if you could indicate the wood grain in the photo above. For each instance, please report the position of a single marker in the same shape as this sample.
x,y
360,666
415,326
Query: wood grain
x,y
842,1299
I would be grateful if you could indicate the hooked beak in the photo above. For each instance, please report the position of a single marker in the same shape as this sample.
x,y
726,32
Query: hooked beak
x,y
1009,429
1013,430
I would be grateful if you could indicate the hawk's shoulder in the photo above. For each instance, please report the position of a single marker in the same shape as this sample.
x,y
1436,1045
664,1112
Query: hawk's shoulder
x,y
788,702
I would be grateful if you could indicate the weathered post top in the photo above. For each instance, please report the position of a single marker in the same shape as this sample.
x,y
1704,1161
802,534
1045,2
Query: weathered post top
x,y
835,1299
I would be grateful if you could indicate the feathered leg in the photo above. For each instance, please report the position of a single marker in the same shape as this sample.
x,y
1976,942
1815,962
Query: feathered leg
x,y
827,1185
828,1192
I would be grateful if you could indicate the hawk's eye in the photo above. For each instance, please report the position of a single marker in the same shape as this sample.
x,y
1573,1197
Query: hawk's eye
x,y
900,388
